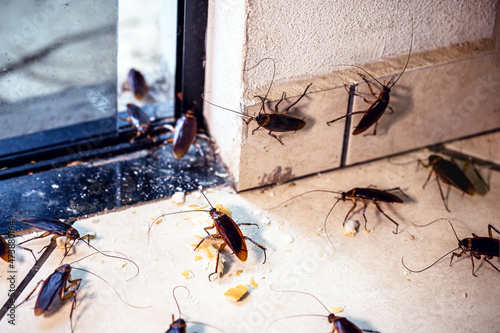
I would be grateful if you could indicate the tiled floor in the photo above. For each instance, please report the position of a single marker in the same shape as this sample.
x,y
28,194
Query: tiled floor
x,y
361,274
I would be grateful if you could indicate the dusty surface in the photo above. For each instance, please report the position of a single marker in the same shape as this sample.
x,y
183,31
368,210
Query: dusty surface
x,y
362,275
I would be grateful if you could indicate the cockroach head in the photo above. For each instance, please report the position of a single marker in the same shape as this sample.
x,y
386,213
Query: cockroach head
x,y
66,268
72,233
433,158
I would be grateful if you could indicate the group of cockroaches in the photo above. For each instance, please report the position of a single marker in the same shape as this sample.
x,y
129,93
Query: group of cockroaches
x,y
227,230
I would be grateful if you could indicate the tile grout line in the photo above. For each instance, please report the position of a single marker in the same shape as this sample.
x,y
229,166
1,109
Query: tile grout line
x,y
27,279
345,144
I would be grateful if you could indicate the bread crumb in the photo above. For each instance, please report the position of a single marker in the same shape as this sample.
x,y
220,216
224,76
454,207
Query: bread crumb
x,y
61,243
223,209
335,309
178,197
236,293
351,228
253,283
187,274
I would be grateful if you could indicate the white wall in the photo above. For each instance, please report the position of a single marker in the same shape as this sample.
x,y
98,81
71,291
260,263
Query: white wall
x,y
307,38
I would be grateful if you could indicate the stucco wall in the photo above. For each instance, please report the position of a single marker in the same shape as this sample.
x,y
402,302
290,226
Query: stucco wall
x,y
309,40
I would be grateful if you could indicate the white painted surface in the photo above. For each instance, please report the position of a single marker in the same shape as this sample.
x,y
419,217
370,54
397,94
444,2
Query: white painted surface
x,y
307,38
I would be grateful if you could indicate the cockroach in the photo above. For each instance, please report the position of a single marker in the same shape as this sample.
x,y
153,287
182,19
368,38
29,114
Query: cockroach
x,y
5,252
137,84
58,229
140,120
377,107
185,133
179,325
227,230
60,283
340,324
449,173
364,194
185,130
276,121
488,247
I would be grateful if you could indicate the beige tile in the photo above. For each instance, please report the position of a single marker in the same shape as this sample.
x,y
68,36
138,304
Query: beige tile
x,y
485,147
362,274
315,148
432,105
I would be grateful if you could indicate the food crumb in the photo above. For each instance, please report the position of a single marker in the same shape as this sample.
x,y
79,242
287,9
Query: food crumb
x,y
157,217
196,258
122,264
61,242
223,209
266,220
178,197
253,283
187,274
335,309
288,238
236,293
351,228
465,295
239,271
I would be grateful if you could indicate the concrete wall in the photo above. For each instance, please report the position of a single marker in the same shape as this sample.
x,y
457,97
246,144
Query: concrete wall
x,y
308,41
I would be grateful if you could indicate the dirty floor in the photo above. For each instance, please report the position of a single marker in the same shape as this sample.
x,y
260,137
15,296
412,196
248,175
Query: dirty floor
x,y
361,276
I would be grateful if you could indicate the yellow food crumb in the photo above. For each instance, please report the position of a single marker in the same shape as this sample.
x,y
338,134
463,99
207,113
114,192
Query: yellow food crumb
x,y
367,231
210,251
239,271
61,243
156,217
198,258
223,209
236,293
253,283
335,309
187,274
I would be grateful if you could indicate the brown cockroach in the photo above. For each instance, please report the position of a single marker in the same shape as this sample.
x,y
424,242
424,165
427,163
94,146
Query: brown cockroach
x,y
377,107
449,173
488,247
60,283
364,194
227,230
57,229
276,121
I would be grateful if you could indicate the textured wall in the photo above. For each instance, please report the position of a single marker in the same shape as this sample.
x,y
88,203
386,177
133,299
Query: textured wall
x,y
307,38
308,41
